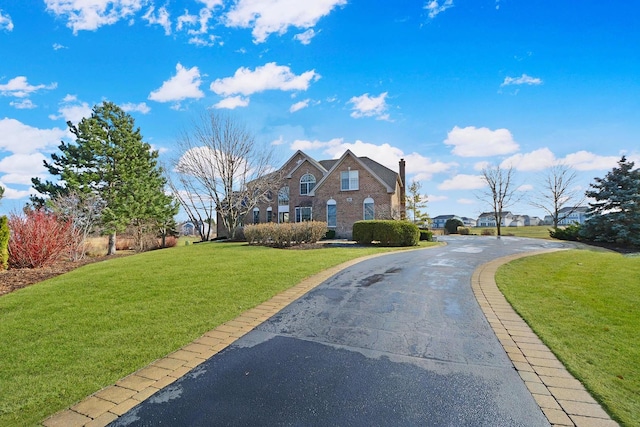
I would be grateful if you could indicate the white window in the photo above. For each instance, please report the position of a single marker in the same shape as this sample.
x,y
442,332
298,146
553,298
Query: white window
x,y
369,208
307,182
332,213
349,180
303,214
283,196
269,214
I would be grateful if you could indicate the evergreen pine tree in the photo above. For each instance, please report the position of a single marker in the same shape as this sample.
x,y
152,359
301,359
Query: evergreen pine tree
x,y
110,159
614,216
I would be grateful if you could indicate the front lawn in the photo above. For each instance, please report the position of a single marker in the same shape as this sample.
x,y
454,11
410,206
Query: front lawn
x,y
586,307
63,339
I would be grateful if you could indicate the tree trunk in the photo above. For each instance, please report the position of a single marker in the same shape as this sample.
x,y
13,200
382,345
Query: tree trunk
x,y
111,250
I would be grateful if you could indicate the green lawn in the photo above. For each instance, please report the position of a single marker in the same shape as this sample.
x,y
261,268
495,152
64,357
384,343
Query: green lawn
x,y
586,307
63,339
538,231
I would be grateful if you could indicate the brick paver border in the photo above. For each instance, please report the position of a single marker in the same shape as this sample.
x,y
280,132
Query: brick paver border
x,y
562,398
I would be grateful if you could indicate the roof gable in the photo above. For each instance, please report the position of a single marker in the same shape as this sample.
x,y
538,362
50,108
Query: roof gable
x,y
374,168
305,158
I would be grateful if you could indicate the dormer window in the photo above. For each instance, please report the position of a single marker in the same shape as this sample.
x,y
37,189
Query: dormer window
x,y
307,182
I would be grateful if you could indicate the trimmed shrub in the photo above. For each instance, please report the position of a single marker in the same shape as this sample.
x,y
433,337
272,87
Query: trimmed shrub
x,y
464,231
426,235
38,239
570,232
488,232
284,235
4,242
330,234
386,233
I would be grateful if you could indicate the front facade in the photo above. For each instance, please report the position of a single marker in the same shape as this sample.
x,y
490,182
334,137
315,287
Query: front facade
x,y
441,220
338,191
487,219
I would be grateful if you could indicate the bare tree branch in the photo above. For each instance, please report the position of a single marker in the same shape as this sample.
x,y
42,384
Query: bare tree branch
x,y
501,192
557,194
221,163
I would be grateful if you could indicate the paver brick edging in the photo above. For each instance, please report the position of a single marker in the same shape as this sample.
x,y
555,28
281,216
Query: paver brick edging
x,y
108,404
562,398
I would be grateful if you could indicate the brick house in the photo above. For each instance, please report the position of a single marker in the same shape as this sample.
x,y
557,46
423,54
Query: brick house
x,y
338,191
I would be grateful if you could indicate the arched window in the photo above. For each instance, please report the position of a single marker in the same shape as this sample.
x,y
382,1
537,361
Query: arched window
x,y
332,213
369,208
269,214
256,215
283,196
307,182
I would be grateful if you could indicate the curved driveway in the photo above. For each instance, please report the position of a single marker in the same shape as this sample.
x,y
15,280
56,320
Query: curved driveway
x,y
394,340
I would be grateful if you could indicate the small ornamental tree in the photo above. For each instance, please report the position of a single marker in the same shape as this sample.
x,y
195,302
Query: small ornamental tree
x,y
452,224
38,239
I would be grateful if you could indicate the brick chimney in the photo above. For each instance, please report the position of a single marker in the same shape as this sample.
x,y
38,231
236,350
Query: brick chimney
x,y
403,190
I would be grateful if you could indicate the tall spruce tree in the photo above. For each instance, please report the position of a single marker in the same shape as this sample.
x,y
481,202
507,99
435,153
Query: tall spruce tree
x,y
110,159
614,216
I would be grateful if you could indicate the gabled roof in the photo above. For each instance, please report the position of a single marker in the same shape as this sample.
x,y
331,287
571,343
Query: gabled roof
x,y
492,214
573,209
445,217
307,158
384,175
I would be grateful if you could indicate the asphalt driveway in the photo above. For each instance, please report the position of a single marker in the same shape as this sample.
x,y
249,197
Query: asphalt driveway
x,y
395,340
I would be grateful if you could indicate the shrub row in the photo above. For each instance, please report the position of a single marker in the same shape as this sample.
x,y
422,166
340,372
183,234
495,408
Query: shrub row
x,y
386,232
285,235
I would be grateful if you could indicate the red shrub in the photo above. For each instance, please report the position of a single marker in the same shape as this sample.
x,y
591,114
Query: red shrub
x,y
38,239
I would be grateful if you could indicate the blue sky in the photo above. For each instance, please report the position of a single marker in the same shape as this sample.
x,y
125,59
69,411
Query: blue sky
x,y
449,85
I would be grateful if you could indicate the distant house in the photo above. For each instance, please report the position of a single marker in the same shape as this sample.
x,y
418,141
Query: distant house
x,y
441,220
570,215
338,191
487,219
532,220
468,222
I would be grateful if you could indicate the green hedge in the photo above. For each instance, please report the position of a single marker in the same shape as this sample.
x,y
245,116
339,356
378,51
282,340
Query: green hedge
x,y
386,233
4,243
426,235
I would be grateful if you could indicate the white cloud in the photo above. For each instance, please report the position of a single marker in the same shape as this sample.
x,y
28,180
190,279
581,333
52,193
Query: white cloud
x,y
279,141
305,38
92,14
522,80
270,76
435,7
18,138
24,104
20,88
11,194
20,168
232,102
480,142
299,106
369,106
185,84
276,16
525,187
5,21
72,110
535,161
142,107
161,17
58,46
463,182
202,41
186,20
304,145
586,161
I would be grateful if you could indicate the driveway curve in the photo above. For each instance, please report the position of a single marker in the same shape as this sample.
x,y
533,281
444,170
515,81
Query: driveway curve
x,y
394,340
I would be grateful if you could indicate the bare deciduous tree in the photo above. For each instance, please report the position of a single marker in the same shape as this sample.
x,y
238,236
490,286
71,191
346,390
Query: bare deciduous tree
x,y
558,191
83,211
221,165
501,192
